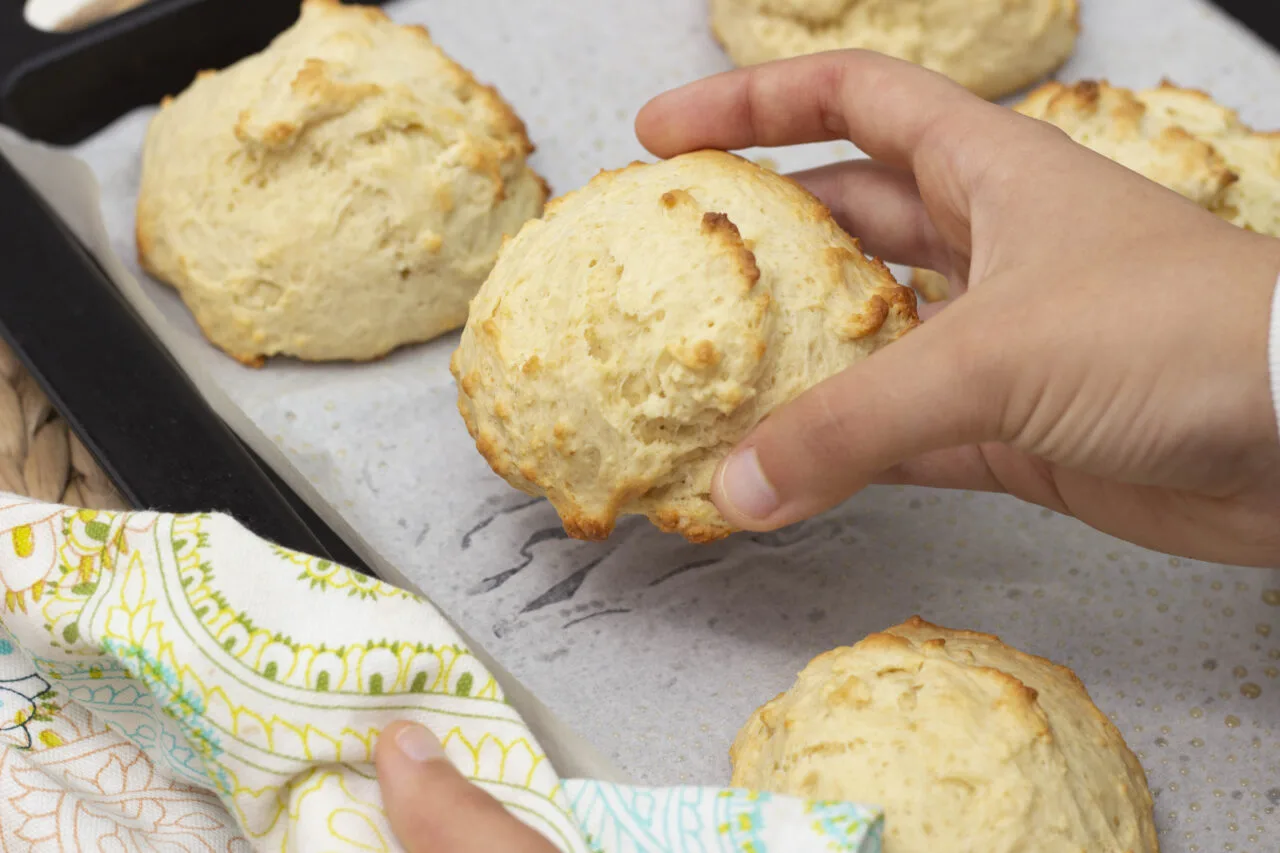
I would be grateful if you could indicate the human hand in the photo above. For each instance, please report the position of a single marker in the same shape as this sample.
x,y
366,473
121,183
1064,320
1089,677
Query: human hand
x,y
434,809
1108,361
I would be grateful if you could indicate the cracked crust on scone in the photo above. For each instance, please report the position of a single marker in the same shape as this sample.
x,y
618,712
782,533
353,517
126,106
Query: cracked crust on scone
x,y
1179,138
336,196
992,47
967,744
1118,124
628,339
1253,200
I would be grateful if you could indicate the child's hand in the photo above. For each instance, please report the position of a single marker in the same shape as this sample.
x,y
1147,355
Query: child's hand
x,y
1109,359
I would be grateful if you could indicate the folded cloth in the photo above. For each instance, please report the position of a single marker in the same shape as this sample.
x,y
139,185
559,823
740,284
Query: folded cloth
x,y
174,682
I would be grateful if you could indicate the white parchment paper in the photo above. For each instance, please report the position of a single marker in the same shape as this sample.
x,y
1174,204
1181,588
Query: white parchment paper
x,y
656,651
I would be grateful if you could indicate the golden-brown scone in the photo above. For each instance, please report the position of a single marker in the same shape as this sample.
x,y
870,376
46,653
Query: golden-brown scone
x,y
336,196
628,339
992,47
1118,124
1252,201
968,745
1179,138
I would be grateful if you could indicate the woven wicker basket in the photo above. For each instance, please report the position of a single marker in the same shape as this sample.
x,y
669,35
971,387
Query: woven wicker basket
x,y
39,455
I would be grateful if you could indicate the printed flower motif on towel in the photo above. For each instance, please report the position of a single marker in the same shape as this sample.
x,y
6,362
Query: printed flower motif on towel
x,y
837,821
80,785
688,819
107,690
19,707
174,682
85,787
29,548
328,575
171,629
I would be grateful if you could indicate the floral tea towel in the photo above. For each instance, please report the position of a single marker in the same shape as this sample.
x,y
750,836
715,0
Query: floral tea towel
x,y
174,682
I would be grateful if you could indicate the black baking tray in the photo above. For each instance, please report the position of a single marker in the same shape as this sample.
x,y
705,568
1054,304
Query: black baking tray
x,y
102,367
1261,16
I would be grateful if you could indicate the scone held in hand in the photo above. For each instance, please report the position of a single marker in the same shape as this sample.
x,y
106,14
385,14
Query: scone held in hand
x,y
336,196
968,745
628,339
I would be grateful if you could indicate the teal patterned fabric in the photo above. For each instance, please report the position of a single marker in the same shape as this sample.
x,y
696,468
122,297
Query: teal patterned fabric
x,y
625,819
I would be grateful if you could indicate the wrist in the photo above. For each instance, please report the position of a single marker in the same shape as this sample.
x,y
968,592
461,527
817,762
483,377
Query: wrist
x,y
1258,268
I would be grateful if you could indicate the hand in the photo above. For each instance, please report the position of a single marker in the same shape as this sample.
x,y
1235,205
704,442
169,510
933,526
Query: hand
x,y
434,809
1108,360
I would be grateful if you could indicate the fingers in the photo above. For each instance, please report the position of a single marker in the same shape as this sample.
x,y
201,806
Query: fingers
x,y
938,387
981,468
434,809
927,310
881,206
951,468
884,105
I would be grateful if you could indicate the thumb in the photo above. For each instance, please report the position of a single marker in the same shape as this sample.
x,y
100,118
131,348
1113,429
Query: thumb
x,y
937,387
434,809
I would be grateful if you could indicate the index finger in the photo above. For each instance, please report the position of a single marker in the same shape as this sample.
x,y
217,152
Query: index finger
x,y
885,106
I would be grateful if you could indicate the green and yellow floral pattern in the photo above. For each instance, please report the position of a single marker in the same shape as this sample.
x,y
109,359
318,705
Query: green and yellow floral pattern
x,y
175,682
254,669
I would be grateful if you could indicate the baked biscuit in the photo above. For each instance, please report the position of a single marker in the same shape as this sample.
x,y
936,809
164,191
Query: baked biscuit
x,y
1118,124
628,339
1180,138
1253,200
992,47
966,743
336,196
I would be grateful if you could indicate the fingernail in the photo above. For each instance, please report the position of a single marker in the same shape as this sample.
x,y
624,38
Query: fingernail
x,y
744,485
420,745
